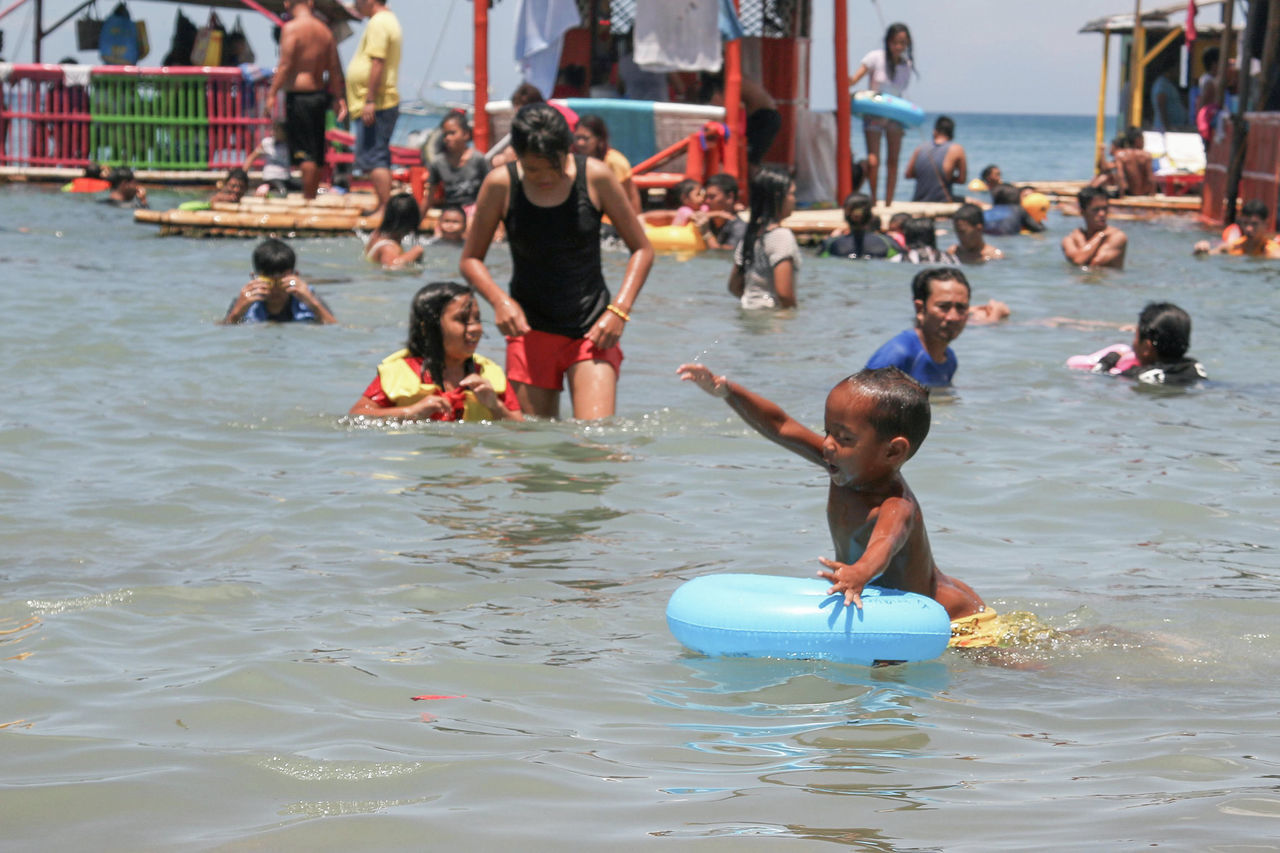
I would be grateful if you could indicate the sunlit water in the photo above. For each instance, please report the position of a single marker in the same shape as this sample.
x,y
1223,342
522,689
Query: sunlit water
x,y
220,595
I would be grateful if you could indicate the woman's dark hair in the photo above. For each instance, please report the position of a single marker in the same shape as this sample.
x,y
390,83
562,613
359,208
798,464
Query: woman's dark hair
x,y
426,341
889,63
855,203
460,118
402,215
920,232
539,129
273,257
599,130
1167,327
769,189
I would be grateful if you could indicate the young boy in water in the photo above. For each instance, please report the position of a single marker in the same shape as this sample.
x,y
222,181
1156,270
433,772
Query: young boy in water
x,y
276,294
875,421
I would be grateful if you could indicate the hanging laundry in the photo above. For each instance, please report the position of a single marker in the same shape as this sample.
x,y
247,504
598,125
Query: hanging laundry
x,y
678,35
540,29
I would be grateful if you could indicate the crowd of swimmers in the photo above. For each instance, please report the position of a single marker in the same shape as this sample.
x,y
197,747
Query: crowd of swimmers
x,y
548,199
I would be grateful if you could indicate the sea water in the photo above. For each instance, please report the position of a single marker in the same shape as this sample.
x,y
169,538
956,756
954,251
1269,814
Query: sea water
x,y
221,595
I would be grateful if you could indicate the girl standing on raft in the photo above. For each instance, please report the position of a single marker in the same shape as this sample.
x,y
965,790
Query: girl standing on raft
x,y
890,71
438,375
558,319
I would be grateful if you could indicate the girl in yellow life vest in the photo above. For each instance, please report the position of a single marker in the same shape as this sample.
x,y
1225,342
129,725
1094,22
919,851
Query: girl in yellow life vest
x,y
438,375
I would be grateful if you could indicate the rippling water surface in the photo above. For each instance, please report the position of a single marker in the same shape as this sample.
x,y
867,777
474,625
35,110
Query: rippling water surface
x,y
221,596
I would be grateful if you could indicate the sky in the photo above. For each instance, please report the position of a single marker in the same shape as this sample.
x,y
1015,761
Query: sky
x,y
1004,56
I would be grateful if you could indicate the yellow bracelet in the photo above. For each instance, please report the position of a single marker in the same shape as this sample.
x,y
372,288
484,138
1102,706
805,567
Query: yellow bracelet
x,y
616,310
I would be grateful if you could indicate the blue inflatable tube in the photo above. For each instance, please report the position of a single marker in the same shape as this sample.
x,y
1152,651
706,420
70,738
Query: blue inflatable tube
x,y
787,617
885,105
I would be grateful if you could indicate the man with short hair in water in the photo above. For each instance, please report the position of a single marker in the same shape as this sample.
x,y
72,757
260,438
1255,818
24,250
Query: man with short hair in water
x,y
311,75
972,247
936,167
941,297
1249,236
1097,244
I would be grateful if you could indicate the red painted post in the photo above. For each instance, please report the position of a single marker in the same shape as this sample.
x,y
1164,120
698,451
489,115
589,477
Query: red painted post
x,y
480,76
844,151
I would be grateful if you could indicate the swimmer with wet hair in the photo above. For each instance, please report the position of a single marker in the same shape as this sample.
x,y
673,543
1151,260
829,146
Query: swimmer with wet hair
x,y
1248,236
1159,352
1096,244
971,246
875,421
277,294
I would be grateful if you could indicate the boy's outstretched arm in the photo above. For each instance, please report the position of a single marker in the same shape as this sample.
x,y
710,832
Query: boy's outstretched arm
x,y
893,528
764,416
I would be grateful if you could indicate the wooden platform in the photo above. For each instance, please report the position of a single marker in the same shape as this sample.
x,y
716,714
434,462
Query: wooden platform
x,y
329,215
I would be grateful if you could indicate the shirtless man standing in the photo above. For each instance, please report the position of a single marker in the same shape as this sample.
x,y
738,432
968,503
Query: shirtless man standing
x,y
1097,244
310,74
1139,176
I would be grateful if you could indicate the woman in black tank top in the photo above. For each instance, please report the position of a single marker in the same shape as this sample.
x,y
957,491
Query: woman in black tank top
x,y
558,318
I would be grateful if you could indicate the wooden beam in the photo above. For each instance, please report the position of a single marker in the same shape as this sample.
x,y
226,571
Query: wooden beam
x,y
1099,128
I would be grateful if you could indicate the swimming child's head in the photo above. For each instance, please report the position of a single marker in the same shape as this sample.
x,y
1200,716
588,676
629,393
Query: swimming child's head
x,y
722,192
689,193
237,182
452,224
402,215
539,132
857,211
119,176
991,175
967,221
591,136
875,421
444,324
93,170
1163,335
273,258
920,232
1252,220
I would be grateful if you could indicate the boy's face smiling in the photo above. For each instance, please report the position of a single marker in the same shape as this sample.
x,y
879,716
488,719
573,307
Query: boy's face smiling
x,y
856,456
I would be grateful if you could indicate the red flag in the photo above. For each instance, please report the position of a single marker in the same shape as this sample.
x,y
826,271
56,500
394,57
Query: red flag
x,y
1191,21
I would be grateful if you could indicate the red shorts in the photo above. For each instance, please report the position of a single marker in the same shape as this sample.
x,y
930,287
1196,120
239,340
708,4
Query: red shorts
x,y
541,359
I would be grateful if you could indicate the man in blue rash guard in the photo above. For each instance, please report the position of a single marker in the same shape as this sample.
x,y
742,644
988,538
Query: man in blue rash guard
x,y
941,296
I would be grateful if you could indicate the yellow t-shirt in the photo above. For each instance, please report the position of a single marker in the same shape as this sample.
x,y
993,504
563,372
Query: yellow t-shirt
x,y
381,40
618,162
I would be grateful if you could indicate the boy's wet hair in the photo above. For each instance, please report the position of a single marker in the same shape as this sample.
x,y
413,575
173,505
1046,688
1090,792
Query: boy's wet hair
x,y
899,404
923,281
273,257
119,175
1255,208
969,213
240,173
1086,196
540,130
426,341
1167,328
402,215
724,182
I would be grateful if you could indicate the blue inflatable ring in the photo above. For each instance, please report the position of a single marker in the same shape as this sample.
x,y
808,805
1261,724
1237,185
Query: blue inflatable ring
x,y
885,105
788,617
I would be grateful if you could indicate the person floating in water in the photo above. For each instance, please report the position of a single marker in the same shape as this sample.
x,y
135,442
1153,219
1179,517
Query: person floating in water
x,y
875,421
1159,352
438,375
861,237
276,293
1096,244
1249,236
233,187
125,190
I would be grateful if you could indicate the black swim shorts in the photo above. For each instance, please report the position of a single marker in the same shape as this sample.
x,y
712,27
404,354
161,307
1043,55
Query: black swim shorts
x,y
304,114
762,126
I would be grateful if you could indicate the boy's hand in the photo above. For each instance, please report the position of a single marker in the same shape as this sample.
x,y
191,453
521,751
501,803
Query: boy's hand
x,y
844,578
256,290
701,375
